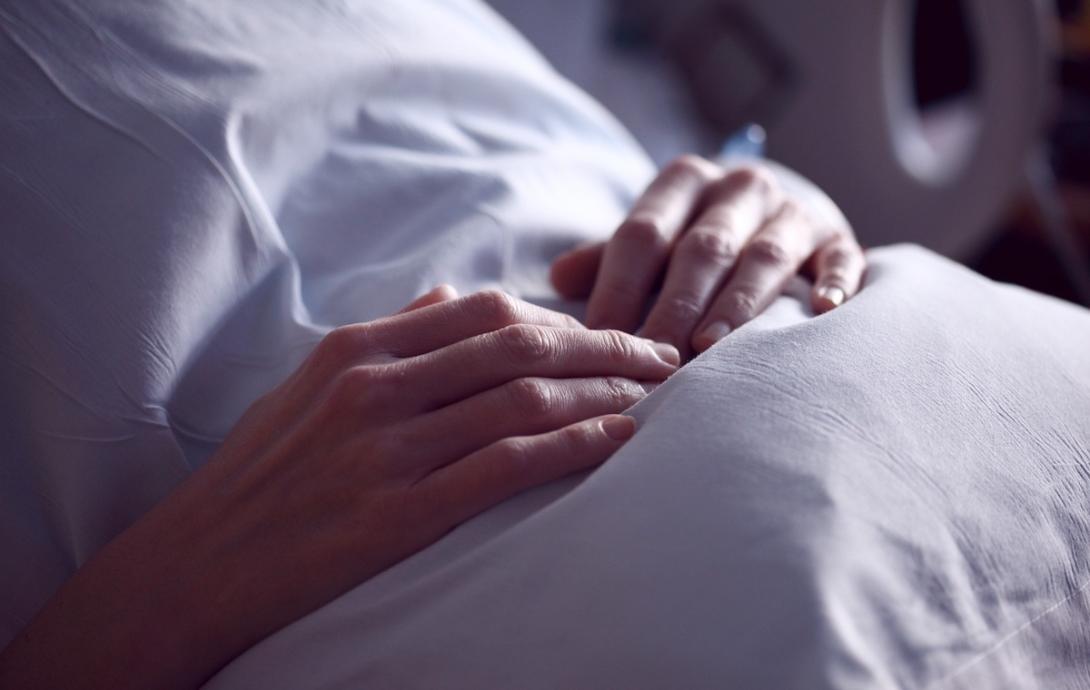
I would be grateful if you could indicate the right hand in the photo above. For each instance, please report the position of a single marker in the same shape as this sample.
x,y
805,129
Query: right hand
x,y
389,435
722,242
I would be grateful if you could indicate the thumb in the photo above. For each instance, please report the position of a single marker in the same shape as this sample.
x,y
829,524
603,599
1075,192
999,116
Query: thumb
x,y
573,273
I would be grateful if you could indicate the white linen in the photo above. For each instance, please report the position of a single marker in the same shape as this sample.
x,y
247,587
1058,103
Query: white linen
x,y
191,194
894,494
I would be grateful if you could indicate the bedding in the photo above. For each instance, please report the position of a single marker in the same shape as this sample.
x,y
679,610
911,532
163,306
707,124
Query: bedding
x,y
894,494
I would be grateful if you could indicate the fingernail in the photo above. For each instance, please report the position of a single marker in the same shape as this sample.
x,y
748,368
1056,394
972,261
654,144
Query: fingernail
x,y
716,331
832,294
667,353
619,427
648,387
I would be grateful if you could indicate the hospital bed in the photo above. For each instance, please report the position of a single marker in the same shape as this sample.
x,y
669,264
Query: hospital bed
x,y
890,495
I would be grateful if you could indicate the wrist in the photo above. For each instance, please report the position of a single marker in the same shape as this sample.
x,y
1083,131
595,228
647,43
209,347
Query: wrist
x,y
149,610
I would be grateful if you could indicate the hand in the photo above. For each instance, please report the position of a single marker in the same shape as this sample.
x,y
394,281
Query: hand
x,y
727,241
389,435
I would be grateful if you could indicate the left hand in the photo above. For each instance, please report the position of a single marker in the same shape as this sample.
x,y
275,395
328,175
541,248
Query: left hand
x,y
727,239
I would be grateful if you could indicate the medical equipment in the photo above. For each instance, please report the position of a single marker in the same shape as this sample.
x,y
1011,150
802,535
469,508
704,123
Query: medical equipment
x,y
833,85
890,495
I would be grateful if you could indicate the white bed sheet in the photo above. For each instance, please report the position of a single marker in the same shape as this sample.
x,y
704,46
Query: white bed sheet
x,y
894,494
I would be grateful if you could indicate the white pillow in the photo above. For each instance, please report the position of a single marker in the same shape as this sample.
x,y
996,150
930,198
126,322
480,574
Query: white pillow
x,y
192,193
893,495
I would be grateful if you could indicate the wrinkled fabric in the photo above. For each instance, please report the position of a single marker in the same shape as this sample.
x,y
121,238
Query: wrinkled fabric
x,y
192,194
894,494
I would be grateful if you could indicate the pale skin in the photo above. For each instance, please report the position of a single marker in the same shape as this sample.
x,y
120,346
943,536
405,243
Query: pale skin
x,y
395,431
723,242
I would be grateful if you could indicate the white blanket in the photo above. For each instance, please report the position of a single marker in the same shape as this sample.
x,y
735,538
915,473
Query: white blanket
x,y
894,494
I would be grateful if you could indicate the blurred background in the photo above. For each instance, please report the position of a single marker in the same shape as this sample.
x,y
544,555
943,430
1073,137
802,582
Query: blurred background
x,y
962,125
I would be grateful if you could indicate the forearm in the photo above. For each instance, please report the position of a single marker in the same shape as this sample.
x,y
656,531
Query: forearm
x,y
317,489
137,615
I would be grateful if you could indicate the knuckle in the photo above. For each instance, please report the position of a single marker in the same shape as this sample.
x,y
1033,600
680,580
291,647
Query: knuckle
x,y
342,343
741,306
791,210
622,290
688,164
353,387
681,308
514,451
709,245
769,252
643,231
750,177
622,393
358,378
531,397
495,306
524,342
619,346
579,436
390,378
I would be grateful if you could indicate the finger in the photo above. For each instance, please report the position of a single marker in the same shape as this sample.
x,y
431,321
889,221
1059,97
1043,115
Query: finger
x,y
508,467
485,478
420,331
770,259
477,364
838,272
521,407
735,208
634,257
439,293
438,325
573,272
